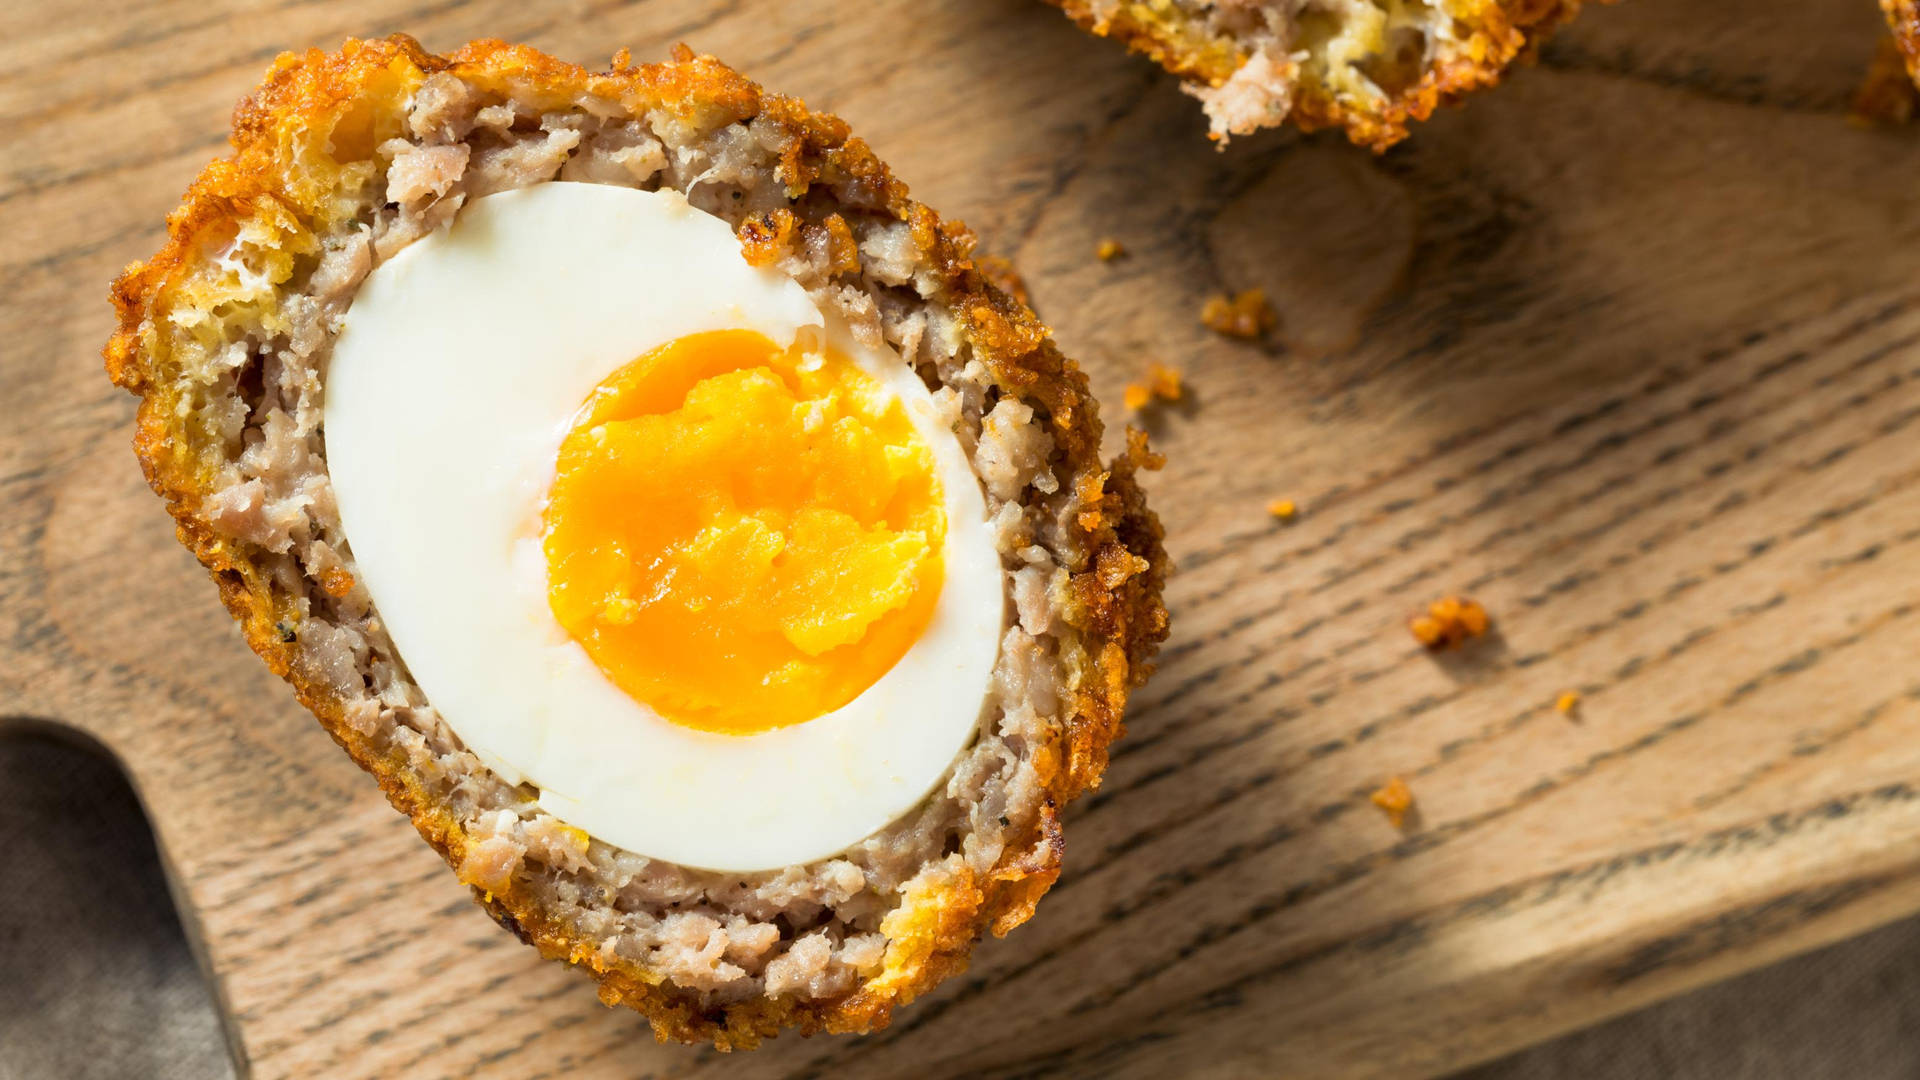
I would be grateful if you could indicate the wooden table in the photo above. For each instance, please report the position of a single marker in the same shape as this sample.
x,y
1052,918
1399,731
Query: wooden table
x,y
1628,349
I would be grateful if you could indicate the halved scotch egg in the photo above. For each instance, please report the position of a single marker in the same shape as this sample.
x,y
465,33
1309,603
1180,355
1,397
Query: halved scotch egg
x,y
1371,67
714,566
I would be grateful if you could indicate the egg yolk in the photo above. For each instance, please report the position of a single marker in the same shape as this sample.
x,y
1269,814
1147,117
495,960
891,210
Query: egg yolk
x,y
742,536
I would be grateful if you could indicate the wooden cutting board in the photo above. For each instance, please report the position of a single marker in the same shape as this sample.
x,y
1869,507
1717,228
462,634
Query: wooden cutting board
x,y
1628,349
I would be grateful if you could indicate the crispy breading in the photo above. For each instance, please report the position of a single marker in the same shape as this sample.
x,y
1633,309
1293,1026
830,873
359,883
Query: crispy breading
x,y
303,146
1368,66
1903,18
1886,94
1003,275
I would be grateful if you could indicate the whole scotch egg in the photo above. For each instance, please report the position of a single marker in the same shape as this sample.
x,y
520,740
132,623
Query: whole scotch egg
x,y
717,570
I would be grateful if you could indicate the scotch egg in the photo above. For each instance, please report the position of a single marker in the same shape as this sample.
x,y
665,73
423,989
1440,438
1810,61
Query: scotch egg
x,y
718,570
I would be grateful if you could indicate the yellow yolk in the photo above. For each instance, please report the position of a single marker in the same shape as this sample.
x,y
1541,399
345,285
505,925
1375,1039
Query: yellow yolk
x,y
743,537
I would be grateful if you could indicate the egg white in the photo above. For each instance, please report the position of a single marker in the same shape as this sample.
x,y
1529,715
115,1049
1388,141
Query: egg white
x,y
459,366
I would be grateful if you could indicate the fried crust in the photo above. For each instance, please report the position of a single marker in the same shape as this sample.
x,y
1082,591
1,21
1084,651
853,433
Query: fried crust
x,y
1118,564
1886,94
1903,18
1506,31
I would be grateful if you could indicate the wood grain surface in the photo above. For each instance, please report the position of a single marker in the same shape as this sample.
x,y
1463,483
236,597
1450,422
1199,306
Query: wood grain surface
x,y
1628,349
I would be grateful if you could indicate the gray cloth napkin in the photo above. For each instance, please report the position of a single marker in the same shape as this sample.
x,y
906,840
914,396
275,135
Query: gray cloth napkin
x,y
96,980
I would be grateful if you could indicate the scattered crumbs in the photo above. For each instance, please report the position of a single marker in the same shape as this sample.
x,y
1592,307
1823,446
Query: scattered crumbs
x,y
1449,623
1282,509
1885,97
1568,701
1162,384
1247,315
1109,250
1396,799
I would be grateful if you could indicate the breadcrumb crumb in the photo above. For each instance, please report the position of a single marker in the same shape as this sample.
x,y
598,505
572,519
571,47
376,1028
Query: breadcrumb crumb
x,y
1568,701
1164,381
1282,509
1885,97
1246,315
1109,250
1162,384
1396,799
1449,623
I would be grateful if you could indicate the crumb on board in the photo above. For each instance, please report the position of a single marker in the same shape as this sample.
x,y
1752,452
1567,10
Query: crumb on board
x,y
1885,96
1395,798
1162,384
1164,381
1449,623
1284,509
1246,315
1109,250
1568,701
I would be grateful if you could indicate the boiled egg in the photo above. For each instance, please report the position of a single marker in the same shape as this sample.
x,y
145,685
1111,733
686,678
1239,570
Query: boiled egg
x,y
657,536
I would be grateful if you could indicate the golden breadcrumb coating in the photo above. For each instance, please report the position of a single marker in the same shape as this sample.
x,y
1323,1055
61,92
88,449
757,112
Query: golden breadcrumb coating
x,y
1003,275
1903,18
1394,798
1885,96
305,165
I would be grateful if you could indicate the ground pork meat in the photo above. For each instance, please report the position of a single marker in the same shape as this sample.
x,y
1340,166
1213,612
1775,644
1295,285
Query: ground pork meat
x,y
520,160
1258,95
625,154
492,861
240,510
1012,451
419,174
227,337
